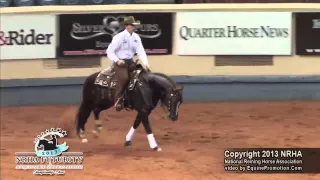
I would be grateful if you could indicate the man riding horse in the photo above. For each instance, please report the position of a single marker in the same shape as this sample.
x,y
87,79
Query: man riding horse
x,y
144,92
121,50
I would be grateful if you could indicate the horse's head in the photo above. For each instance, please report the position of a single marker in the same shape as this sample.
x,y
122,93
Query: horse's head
x,y
172,101
170,96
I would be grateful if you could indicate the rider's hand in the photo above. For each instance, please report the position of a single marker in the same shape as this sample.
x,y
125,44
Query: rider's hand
x,y
120,62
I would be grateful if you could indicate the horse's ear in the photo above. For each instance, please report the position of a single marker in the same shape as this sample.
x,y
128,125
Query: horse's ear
x,y
179,87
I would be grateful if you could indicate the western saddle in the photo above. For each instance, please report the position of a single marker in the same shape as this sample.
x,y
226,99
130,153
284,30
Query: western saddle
x,y
106,79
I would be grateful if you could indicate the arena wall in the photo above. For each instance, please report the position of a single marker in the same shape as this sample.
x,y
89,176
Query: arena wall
x,y
31,82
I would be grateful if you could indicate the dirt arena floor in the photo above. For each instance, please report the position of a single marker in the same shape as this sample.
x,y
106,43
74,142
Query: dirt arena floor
x,y
192,146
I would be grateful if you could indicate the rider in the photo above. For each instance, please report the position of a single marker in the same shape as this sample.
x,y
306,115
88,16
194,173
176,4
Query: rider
x,y
121,50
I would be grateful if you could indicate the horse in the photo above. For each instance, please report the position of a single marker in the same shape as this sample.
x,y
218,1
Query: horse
x,y
46,145
144,92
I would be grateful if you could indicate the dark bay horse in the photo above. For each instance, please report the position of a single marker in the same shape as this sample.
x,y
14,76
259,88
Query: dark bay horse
x,y
148,91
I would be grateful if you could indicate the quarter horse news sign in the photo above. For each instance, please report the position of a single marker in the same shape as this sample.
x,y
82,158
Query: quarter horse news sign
x,y
234,33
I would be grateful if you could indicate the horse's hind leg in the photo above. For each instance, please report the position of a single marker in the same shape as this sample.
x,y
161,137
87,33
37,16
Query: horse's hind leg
x,y
81,120
98,124
133,128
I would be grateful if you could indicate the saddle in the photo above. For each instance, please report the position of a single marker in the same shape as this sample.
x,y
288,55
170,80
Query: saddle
x,y
106,77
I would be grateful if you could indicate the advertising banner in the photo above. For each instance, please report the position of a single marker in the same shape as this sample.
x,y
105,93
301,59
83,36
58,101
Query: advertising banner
x,y
308,33
91,34
234,33
27,36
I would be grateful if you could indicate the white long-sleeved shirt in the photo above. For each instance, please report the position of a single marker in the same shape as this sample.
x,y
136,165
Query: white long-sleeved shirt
x,y
124,46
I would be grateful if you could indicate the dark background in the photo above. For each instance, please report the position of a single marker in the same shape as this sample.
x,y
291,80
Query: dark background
x,y
67,43
306,36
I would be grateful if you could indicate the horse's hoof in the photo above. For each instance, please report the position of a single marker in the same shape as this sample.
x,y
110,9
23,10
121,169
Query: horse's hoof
x,y
157,149
96,133
84,140
128,143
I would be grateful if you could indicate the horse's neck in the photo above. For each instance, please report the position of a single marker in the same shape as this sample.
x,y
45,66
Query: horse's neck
x,y
159,93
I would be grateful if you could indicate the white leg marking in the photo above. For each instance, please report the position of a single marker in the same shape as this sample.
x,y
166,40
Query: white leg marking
x,y
152,141
130,134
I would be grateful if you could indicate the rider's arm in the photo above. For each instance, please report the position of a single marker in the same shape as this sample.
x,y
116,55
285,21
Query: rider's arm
x,y
141,52
113,46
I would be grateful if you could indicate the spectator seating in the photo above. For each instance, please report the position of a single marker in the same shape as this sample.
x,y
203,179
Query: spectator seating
x,y
5,3
250,1
9,3
155,1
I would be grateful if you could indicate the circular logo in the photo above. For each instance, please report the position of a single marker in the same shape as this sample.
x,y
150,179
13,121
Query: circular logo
x,y
46,144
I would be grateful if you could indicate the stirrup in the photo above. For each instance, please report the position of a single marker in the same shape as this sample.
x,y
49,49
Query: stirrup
x,y
119,105
118,101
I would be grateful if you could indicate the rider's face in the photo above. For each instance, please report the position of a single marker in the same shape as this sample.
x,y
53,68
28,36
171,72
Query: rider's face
x,y
130,28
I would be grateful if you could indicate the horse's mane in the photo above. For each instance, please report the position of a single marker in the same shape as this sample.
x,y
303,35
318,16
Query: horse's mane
x,y
166,77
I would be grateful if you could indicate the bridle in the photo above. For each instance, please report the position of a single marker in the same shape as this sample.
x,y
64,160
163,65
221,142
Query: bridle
x,y
172,95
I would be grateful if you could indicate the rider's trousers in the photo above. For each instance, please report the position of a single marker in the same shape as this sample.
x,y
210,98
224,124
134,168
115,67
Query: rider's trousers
x,y
122,77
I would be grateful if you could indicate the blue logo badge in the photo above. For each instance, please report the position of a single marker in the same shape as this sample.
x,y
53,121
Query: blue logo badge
x,y
46,144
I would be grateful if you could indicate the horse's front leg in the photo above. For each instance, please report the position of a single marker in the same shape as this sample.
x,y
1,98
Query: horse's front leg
x,y
132,130
152,141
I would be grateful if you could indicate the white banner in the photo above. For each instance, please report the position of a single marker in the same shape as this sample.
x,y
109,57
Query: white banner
x,y
27,36
233,33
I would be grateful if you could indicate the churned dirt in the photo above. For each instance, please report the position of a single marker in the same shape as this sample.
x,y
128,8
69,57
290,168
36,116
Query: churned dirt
x,y
192,146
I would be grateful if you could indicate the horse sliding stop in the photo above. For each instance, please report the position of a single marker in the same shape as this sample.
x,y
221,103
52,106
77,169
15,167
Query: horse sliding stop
x,y
143,93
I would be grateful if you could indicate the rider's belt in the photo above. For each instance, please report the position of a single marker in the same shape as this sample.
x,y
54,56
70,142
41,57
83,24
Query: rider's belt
x,y
127,61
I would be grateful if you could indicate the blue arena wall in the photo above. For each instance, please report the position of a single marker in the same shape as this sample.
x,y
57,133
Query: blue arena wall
x,y
67,91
